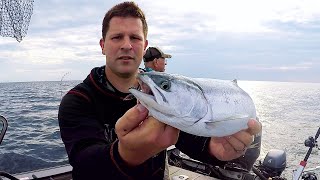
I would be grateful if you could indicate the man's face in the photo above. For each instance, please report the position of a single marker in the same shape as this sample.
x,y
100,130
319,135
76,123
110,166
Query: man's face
x,y
124,46
160,64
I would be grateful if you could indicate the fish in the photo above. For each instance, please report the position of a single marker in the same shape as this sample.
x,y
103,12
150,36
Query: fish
x,y
199,106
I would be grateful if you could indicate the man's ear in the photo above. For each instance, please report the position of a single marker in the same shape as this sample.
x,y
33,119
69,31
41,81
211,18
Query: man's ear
x,y
155,62
145,45
102,46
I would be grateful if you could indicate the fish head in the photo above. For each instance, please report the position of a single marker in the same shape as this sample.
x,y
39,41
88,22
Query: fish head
x,y
170,97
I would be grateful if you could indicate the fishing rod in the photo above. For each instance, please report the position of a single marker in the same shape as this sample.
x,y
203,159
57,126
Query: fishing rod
x,y
61,84
311,142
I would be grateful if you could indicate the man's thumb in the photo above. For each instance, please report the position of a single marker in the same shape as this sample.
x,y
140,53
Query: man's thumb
x,y
131,119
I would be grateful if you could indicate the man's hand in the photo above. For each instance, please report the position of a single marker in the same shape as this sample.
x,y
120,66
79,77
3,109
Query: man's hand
x,y
141,137
232,147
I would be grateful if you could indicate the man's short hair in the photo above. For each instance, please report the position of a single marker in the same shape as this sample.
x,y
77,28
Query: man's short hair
x,y
124,9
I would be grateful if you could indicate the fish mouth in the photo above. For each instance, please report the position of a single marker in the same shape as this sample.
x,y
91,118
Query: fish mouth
x,y
152,91
147,91
142,88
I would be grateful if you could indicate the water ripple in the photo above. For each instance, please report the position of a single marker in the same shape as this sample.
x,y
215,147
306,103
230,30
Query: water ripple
x,y
289,113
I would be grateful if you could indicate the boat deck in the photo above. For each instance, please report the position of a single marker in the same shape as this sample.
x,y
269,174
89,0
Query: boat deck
x,y
63,173
176,171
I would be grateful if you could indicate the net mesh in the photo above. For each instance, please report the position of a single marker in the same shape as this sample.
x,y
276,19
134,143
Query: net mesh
x,y
15,17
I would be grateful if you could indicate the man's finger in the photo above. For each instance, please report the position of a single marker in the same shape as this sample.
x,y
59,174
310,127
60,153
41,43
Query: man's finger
x,y
172,132
254,127
237,143
131,119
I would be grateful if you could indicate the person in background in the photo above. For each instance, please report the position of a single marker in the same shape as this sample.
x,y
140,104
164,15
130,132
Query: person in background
x,y
107,137
155,59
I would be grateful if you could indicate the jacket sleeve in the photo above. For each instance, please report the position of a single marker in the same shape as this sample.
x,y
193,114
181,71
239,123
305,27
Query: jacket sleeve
x,y
90,155
197,147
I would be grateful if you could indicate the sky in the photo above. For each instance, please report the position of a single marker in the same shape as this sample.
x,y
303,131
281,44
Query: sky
x,y
264,40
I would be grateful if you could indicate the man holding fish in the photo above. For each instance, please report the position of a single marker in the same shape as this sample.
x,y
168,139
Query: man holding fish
x,y
110,136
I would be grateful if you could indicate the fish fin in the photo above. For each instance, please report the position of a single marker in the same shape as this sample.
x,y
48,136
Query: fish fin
x,y
235,81
255,145
231,118
129,97
228,126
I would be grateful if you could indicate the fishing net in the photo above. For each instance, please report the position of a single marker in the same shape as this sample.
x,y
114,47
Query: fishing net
x,y
15,17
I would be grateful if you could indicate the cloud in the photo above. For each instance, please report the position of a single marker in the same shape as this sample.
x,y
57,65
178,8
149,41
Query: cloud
x,y
233,16
214,38
303,66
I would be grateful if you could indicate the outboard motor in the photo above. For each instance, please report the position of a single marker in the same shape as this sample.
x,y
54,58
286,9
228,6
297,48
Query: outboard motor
x,y
273,164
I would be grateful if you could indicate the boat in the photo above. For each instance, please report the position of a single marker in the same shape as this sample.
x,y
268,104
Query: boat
x,y
54,173
183,168
64,173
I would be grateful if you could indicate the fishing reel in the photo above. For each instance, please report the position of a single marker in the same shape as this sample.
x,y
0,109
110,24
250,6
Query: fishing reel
x,y
309,176
311,142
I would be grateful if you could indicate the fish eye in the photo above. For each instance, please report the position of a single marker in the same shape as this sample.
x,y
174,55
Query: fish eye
x,y
165,85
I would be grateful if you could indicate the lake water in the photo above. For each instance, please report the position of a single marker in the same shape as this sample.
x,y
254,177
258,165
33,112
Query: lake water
x,y
289,113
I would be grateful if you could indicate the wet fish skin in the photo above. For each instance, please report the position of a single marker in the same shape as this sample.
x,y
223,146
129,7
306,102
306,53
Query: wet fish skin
x,y
199,106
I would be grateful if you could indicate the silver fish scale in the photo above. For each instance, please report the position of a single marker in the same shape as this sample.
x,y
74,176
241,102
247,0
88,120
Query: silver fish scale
x,y
199,106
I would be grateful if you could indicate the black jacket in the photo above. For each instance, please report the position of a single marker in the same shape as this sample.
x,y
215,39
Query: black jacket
x,y
87,117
